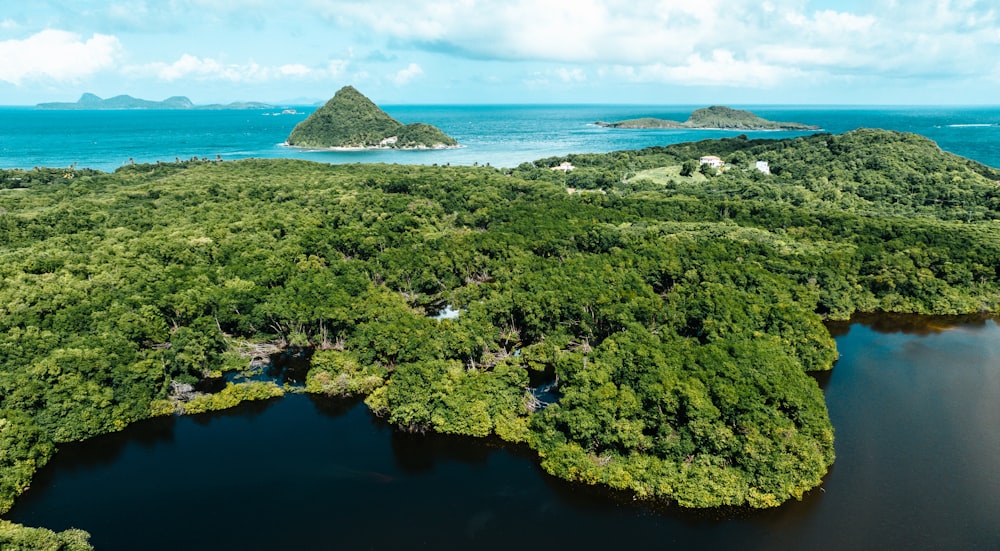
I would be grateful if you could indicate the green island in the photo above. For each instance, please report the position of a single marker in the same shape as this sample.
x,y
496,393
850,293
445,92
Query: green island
x,y
679,317
351,121
711,118
91,102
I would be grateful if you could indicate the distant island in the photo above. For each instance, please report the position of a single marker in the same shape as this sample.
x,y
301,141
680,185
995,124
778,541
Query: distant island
x,y
90,102
351,120
714,118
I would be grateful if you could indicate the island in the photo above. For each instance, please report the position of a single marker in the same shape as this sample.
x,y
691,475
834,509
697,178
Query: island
x,y
352,121
92,102
712,118
654,337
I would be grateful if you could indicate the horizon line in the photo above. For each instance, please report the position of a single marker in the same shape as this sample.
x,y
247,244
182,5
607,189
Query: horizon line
x,y
530,104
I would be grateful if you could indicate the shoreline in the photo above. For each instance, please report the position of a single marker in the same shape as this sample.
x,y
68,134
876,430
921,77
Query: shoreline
x,y
352,149
716,129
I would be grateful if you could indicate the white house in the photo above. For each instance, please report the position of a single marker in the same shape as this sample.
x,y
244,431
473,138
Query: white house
x,y
763,168
712,161
566,166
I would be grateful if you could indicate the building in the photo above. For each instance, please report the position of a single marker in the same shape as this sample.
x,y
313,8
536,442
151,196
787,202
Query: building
x,y
763,167
566,166
712,161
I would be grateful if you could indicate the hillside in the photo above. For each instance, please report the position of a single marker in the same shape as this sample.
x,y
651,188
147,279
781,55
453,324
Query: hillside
x,y
91,102
680,316
351,120
715,117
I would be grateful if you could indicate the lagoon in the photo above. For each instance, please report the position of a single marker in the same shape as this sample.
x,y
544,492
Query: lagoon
x,y
913,401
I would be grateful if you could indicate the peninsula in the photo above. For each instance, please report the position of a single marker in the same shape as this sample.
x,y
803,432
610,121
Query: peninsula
x,y
93,102
712,118
351,120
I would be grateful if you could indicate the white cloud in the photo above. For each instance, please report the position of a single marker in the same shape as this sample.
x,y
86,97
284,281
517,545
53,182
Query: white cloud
x,y
582,30
189,66
570,75
564,42
756,43
336,67
806,57
295,70
57,55
404,76
835,23
207,69
721,69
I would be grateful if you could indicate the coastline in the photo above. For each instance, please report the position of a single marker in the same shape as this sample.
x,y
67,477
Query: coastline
x,y
105,139
352,149
707,128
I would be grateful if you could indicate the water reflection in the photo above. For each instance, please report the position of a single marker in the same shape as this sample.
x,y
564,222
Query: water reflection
x,y
421,453
104,450
246,410
822,378
907,324
334,407
918,466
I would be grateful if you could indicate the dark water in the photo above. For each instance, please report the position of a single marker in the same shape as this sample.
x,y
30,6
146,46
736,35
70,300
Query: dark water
x,y
501,135
914,402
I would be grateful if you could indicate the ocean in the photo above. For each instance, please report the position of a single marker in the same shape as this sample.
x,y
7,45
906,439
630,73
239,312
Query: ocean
x,y
498,135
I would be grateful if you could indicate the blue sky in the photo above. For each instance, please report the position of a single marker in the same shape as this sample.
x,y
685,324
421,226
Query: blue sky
x,y
505,51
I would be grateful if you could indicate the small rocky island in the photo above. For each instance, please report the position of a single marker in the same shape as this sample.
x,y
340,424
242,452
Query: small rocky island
x,y
351,121
712,118
91,102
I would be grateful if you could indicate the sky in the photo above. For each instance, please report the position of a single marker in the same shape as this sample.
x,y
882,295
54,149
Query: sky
x,y
662,52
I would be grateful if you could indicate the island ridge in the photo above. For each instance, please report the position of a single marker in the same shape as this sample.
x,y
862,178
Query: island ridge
x,y
712,118
91,102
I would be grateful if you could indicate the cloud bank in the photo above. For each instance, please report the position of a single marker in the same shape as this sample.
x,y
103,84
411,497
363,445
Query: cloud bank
x,y
189,66
404,76
710,42
57,56
586,48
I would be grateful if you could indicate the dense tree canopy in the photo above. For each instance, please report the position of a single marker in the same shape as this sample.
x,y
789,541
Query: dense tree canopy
x,y
677,315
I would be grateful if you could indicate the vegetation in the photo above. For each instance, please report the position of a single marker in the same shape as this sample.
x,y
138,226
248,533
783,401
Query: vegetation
x,y
15,537
232,395
350,119
679,317
715,117
419,135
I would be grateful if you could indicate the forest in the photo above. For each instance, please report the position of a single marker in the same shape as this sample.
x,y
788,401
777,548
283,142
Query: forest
x,y
676,318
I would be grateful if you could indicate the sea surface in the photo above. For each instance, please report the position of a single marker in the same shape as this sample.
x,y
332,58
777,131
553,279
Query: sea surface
x,y
498,135
913,401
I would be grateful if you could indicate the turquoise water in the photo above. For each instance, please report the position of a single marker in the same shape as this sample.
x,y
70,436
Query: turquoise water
x,y
503,136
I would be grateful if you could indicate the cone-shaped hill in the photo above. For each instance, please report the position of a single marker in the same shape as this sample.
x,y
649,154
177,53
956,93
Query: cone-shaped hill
x,y
350,119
